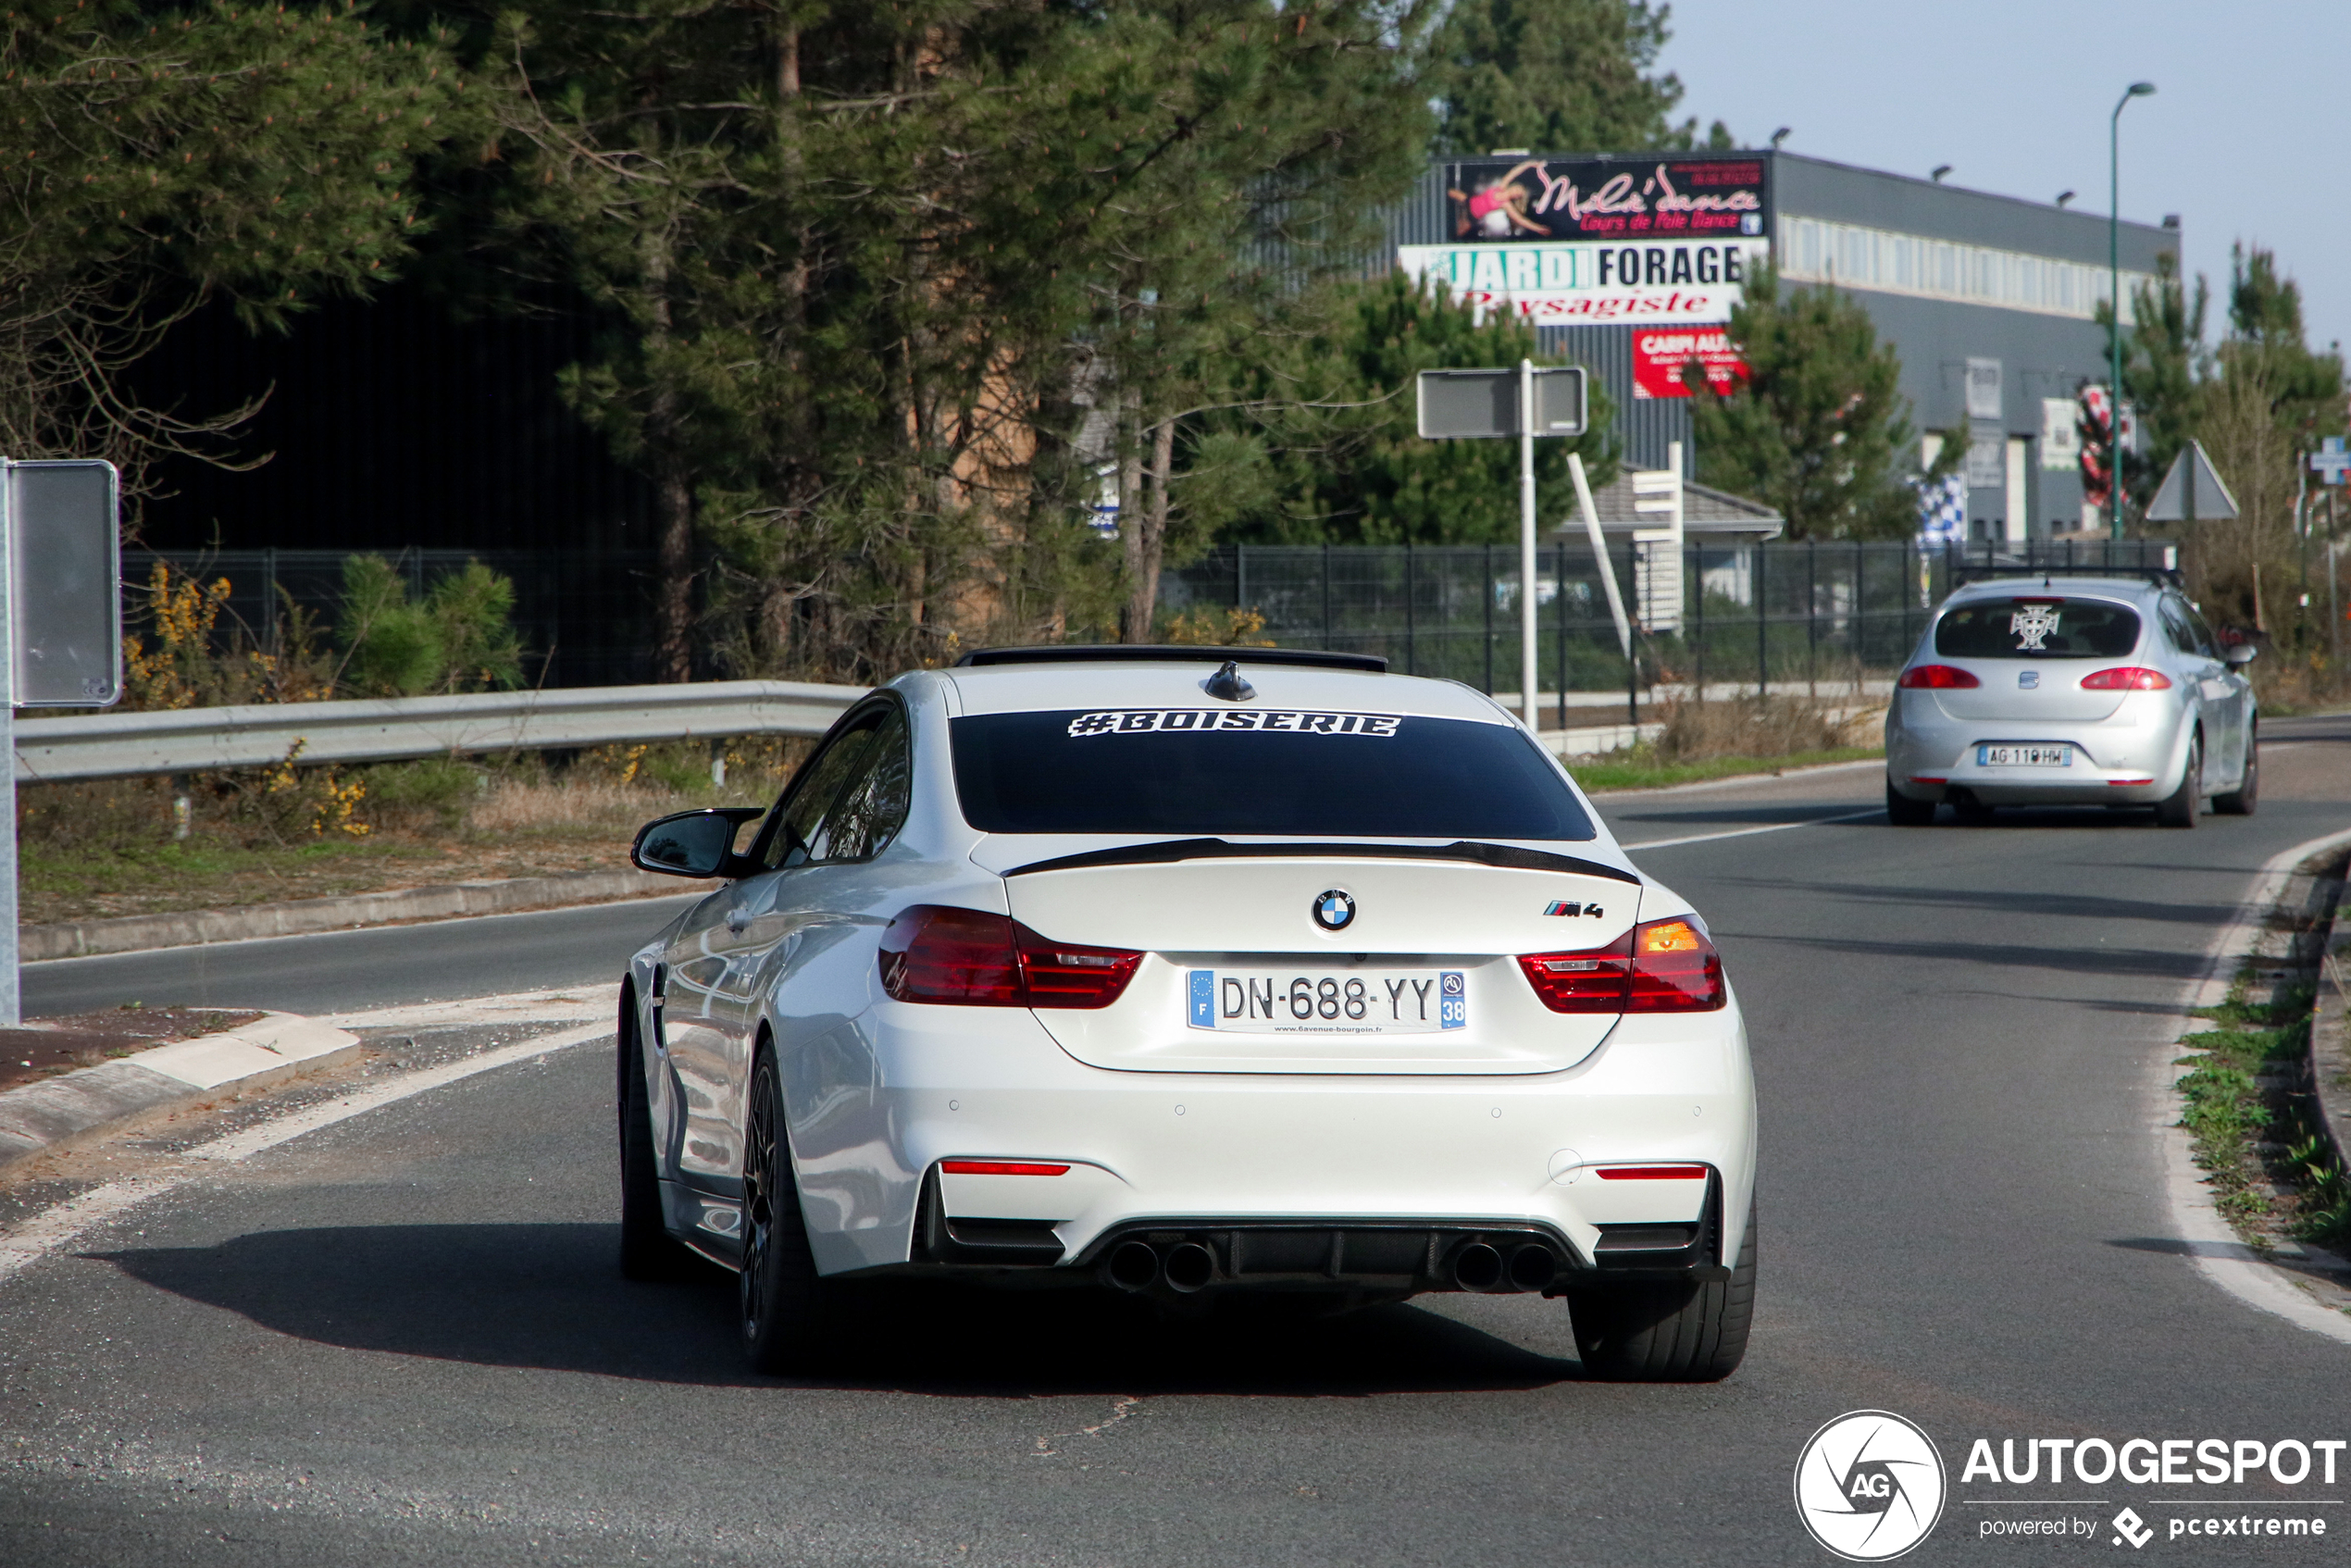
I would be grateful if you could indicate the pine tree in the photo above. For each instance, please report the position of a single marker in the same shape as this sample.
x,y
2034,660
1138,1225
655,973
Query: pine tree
x,y
1554,76
1818,429
156,162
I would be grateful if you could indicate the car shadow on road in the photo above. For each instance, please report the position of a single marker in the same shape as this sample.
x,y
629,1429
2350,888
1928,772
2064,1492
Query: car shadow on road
x,y
550,1297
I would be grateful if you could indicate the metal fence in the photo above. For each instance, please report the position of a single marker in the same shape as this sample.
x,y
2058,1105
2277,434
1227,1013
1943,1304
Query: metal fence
x,y
1750,614
586,616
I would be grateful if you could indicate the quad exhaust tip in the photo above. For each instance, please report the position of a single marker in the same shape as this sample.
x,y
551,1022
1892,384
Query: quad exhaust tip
x,y
1133,1266
1477,1267
1533,1267
1189,1267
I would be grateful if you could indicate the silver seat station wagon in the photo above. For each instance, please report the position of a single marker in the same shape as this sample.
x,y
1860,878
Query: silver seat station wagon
x,y
2054,689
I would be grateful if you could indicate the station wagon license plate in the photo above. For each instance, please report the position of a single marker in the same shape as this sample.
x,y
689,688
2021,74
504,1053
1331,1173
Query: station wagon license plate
x,y
2024,756
1351,1002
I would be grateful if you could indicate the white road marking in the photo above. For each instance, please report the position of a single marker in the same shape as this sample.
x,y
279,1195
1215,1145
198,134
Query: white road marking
x,y
571,1004
56,1226
2218,1255
1749,832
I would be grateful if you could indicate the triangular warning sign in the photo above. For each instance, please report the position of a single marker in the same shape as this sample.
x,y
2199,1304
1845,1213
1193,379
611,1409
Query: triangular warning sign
x,y
2192,492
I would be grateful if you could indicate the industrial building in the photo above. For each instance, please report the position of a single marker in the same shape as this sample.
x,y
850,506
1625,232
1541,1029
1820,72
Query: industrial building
x,y
1630,264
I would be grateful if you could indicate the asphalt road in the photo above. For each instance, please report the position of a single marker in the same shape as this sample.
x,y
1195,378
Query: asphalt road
x,y
400,1339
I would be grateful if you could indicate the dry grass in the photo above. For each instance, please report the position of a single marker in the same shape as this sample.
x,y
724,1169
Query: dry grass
x,y
572,806
1763,728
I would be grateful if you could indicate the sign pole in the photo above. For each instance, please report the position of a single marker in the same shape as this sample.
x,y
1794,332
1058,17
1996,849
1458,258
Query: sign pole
x,y
11,1000
1527,540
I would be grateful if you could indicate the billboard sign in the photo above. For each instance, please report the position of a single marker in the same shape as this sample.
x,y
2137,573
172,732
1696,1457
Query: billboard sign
x,y
1661,354
1573,242
1505,201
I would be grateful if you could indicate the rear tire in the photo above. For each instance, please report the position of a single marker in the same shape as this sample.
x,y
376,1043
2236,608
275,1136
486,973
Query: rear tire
x,y
1904,812
2178,809
1668,1332
2246,796
647,1250
786,1316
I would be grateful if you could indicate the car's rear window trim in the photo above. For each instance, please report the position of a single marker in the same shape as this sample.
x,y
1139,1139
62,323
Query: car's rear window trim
x,y
1509,857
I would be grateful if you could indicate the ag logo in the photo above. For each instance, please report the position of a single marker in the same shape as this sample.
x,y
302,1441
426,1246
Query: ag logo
x,y
1333,910
1869,1486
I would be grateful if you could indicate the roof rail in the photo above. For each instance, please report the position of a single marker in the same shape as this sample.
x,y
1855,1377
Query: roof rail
x,y
2168,577
1169,653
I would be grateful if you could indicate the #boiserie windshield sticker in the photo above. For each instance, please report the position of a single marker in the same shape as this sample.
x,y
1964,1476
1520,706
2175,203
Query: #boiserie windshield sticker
x,y
1138,721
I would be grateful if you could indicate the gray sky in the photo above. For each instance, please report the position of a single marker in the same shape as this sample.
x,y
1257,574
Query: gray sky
x,y
2245,138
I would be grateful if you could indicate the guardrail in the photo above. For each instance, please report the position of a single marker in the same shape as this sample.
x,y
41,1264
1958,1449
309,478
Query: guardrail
x,y
120,745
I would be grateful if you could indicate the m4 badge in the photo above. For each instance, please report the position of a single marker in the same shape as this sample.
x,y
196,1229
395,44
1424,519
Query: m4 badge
x,y
1571,908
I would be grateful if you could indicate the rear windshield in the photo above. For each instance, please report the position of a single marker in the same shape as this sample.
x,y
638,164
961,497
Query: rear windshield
x,y
2042,627
1258,771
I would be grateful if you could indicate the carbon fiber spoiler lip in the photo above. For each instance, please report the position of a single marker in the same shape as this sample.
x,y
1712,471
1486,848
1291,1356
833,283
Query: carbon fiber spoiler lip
x,y
1168,852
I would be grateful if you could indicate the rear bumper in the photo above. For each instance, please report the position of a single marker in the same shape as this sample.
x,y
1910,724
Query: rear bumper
x,y
1929,756
1220,1157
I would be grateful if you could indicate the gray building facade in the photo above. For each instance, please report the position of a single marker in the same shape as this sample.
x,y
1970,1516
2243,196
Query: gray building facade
x,y
1989,301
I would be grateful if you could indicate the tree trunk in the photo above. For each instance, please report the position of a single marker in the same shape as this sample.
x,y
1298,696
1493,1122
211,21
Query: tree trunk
x,y
673,492
1132,628
1149,547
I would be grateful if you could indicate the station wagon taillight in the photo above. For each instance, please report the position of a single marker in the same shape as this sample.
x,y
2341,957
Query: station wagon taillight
x,y
2130,678
1662,966
970,958
1936,677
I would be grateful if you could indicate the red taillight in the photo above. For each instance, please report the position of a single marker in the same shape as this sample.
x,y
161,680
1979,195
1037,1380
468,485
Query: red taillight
x,y
2130,678
969,957
1663,966
1590,981
1936,677
1653,1172
1675,969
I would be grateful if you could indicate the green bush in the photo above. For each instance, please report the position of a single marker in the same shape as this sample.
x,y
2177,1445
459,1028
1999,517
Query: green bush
x,y
438,788
461,638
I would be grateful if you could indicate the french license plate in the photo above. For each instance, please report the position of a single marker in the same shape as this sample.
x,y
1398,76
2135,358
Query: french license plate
x,y
2024,756
1354,1002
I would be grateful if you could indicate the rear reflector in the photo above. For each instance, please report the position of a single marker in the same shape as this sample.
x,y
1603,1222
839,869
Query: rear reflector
x,y
1936,677
1653,1172
969,957
1662,966
2130,678
998,1168
1928,778
2130,780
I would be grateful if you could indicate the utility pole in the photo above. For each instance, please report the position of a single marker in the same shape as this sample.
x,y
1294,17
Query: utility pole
x,y
2114,303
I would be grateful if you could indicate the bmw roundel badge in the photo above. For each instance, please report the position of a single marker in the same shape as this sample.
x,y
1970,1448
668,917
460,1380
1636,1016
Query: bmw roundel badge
x,y
1333,910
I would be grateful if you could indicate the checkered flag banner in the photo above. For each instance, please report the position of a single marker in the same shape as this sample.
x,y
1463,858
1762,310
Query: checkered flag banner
x,y
1943,509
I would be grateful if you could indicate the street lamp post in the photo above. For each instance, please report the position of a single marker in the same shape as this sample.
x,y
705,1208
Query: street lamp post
x,y
2114,305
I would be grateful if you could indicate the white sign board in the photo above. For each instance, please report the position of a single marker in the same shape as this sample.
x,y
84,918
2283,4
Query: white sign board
x,y
2060,435
1582,282
1983,389
65,584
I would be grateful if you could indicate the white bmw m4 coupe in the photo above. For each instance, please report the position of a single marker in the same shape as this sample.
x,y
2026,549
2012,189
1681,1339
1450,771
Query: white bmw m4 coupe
x,y
1181,971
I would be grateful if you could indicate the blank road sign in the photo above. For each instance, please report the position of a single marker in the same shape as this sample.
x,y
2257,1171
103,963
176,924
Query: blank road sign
x,y
1483,404
65,580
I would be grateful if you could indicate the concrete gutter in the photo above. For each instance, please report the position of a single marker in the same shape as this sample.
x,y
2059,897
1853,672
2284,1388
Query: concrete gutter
x,y
450,901
55,1113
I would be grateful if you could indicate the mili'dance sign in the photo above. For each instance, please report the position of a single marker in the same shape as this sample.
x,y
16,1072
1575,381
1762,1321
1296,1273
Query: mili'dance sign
x,y
1572,241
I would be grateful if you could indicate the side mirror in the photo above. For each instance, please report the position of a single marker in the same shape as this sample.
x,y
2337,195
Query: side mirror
x,y
692,843
2239,654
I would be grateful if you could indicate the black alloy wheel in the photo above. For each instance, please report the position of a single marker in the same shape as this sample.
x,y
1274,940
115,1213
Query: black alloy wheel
x,y
647,1250
1904,812
1667,1331
785,1323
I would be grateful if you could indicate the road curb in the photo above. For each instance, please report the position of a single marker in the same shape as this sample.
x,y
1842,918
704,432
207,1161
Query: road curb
x,y
2206,1238
2330,1038
57,1114
142,933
